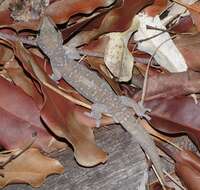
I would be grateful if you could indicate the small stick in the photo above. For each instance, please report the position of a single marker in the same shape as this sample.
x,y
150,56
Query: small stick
x,y
174,180
166,158
147,70
12,157
66,96
70,98
169,142
149,38
157,175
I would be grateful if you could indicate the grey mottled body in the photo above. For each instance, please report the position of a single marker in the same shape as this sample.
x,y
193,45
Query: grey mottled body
x,y
92,87
95,89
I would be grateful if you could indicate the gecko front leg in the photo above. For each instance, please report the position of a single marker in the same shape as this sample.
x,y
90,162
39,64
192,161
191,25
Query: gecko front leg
x,y
139,109
56,75
96,112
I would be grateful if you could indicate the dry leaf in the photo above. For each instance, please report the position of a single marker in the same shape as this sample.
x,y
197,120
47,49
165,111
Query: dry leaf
x,y
176,116
20,118
31,167
118,19
59,114
117,57
171,85
157,7
189,46
187,166
166,53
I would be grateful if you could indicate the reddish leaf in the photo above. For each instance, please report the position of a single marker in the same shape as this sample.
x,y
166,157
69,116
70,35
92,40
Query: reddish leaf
x,y
187,166
20,118
58,114
190,49
175,116
189,176
185,24
157,7
171,85
61,11
117,20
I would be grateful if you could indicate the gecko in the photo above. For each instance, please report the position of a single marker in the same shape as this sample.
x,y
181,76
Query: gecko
x,y
122,109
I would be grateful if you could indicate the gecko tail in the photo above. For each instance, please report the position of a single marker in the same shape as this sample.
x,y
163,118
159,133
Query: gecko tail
x,y
146,143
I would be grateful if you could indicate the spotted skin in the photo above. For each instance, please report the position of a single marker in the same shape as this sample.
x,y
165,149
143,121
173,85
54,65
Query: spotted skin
x,y
95,89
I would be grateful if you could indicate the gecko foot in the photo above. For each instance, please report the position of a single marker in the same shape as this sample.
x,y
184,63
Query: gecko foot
x,y
55,78
96,112
139,109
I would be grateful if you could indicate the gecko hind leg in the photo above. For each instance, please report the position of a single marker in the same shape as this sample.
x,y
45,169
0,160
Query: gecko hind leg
x,y
139,109
96,112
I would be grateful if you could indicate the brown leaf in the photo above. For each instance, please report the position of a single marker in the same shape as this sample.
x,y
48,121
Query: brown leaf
x,y
157,7
176,116
6,55
58,114
185,24
118,19
187,166
190,49
171,85
59,11
20,118
195,13
189,176
31,167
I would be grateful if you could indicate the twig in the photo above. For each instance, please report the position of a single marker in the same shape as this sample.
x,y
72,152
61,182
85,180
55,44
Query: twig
x,y
169,142
171,32
147,70
9,151
174,180
149,38
12,157
166,158
157,175
180,3
66,96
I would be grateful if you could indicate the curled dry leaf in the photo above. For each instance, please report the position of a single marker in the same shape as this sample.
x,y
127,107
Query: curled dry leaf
x,y
157,7
59,11
118,19
161,47
117,57
178,9
171,85
189,46
173,116
31,167
20,118
187,166
194,8
58,114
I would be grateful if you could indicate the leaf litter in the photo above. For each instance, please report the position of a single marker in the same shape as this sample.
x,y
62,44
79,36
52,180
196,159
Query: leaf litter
x,y
31,102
